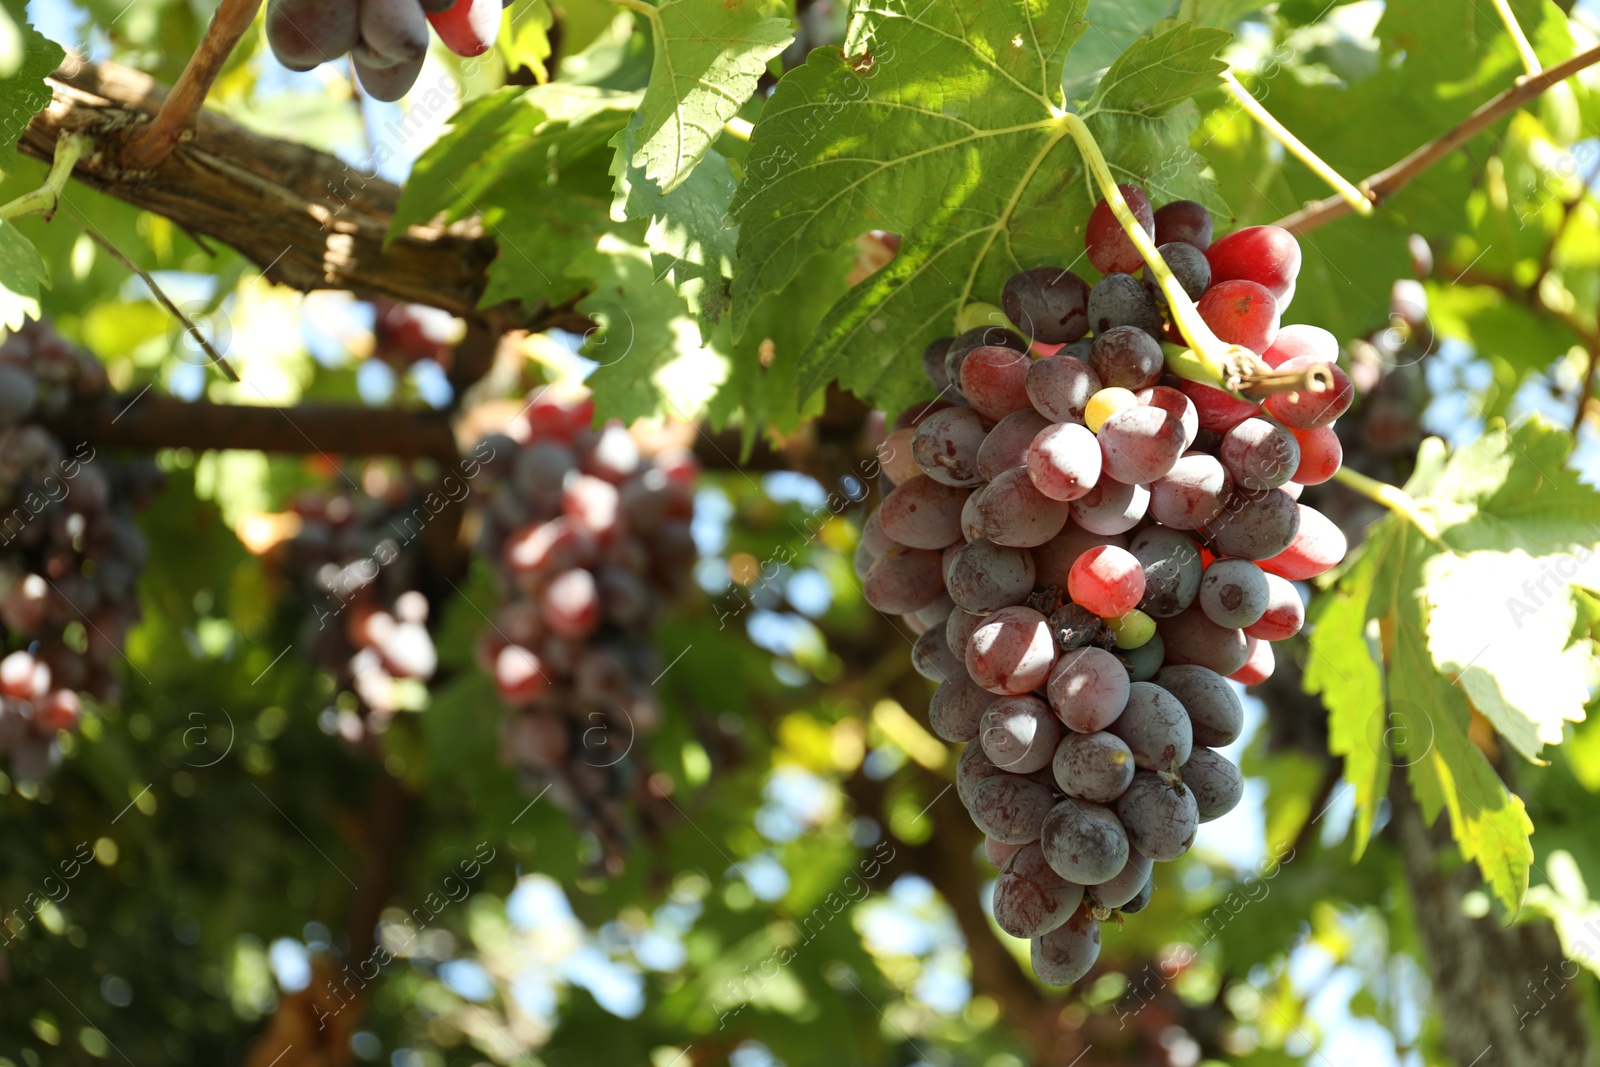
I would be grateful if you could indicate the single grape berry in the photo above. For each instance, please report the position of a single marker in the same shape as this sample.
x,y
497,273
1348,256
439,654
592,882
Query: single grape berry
x,y
1108,581
1188,265
1048,304
1183,220
1127,357
1241,312
1266,255
1123,300
1109,246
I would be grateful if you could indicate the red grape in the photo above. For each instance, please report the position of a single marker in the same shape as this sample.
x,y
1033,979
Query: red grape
x,y
1108,581
1110,247
1266,255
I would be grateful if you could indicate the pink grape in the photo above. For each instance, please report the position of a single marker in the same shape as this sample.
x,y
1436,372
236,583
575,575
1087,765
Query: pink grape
x,y
1083,842
1174,403
1155,727
1217,410
467,27
1011,652
1266,255
923,513
997,853
1215,782
1317,546
903,579
1140,444
945,446
1160,820
1242,313
1307,410
1088,689
1256,525
1007,444
396,30
1259,454
1108,581
1117,891
1019,733
1172,570
1010,808
1285,613
895,457
1013,512
971,768
1234,593
933,363
571,605
958,627
1053,560
1321,455
1191,637
985,577
1110,248
956,711
1111,507
1064,461
1068,952
873,539
1096,767
1192,493
1128,357
932,658
995,381
1030,899
306,33
1258,665
1060,387
1216,715
1302,339
1183,220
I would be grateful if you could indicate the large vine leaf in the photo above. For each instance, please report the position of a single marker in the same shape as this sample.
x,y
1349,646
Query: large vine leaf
x,y
942,123
689,238
23,93
708,57
1504,515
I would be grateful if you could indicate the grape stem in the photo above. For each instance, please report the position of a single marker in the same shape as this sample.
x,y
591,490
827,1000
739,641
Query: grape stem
x,y
1392,497
1358,199
1520,39
179,111
45,199
1208,359
738,128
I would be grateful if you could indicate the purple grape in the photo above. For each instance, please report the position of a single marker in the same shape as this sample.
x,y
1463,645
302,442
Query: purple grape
x,y
1193,638
945,446
1128,357
1160,820
1068,952
1009,808
1192,493
1155,728
1234,593
1140,444
1188,265
1048,304
1216,715
1014,513
1260,454
1111,507
956,710
1255,525
923,513
1123,300
1215,782
1019,733
1083,842
985,577
1095,767
1060,386
1007,444
1030,899
1125,885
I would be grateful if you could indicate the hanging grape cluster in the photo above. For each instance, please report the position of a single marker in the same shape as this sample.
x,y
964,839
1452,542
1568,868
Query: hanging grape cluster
x,y
387,40
1090,548
70,552
591,539
359,555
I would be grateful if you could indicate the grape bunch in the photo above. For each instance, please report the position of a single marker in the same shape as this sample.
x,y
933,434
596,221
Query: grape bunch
x,y
1090,549
359,555
592,541
70,552
387,40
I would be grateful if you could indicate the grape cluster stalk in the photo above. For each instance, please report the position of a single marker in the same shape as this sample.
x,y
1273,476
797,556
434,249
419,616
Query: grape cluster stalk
x,y
70,551
387,40
1093,551
591,536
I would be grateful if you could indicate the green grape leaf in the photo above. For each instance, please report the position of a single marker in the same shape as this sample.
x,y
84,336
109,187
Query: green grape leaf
x,y
688,238
650,361
1505,519
1343,668
708,57
973,168
23,93
22,273
531,164
1157,73
1113,26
